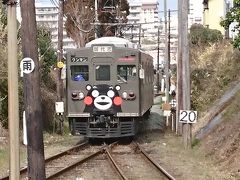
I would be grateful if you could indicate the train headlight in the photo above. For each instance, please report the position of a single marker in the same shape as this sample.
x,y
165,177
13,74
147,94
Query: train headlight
x,y
81,95
124,95
88,87
117,87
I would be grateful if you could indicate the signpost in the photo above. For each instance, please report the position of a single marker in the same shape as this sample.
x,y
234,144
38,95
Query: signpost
x,y
188,116
27,66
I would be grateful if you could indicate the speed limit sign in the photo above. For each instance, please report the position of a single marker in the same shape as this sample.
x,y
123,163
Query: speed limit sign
x,y
188,116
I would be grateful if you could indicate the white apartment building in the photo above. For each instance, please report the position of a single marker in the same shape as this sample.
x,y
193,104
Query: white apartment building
x,y
144,12
195,15
47,15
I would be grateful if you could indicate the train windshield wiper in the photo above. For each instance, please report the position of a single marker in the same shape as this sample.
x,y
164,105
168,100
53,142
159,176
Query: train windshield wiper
x,y
122,79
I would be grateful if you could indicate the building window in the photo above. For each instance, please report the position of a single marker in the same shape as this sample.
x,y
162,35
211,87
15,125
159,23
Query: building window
x,y
205,4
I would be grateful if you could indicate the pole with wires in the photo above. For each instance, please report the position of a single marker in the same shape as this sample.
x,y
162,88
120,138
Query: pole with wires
x,y
158,69
13,107
96,19
60,59
166,54
32,94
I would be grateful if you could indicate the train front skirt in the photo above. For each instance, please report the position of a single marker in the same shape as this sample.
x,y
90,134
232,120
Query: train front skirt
x,y
104,127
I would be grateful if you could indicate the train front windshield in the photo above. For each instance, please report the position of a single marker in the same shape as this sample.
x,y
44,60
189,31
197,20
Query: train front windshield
x,y
80,73
126,72
102,72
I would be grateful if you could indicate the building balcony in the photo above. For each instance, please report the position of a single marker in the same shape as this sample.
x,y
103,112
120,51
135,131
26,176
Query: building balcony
x,y
133,18
135,11
48,13
46,19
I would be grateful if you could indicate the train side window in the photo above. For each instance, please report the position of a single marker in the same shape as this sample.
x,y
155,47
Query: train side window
x,y
102,72
80,73
126,72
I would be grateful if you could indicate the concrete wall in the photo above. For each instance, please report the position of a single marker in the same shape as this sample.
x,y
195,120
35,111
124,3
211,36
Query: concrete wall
x,y
212,16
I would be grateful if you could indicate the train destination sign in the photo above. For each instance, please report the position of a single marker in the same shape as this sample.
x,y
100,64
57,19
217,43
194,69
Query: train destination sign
x,y
102,49
78,59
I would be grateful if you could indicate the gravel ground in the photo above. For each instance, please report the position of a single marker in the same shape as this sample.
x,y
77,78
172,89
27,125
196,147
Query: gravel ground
x,y
167,149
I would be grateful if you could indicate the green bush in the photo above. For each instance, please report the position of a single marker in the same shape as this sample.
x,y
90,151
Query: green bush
x,y
200,35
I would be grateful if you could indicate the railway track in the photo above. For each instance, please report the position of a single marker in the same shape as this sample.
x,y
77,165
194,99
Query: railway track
x,y
112,161
131,165
23,171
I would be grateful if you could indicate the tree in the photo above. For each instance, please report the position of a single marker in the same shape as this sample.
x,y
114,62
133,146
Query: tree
x,y
81,16
200,35
233,16
48,58
3,67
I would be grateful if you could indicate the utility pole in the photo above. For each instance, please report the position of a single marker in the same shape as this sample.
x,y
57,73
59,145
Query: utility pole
x,y
187,129
60,58
227,30
132,33
32,99
139,35
179,129
158,49
13,107
166,54
96,18
169,59
169,39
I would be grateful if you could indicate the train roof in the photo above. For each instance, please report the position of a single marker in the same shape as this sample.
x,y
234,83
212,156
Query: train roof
x,y
116,41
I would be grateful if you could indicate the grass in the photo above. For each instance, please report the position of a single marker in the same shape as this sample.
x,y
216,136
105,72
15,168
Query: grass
x,y
212,70
185,163
53,143
233,108
4,158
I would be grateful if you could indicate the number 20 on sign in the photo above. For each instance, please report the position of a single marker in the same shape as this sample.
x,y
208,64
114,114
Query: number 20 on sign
x,y
188,116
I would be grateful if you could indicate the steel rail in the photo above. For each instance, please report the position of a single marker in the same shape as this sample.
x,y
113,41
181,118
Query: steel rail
x,y
24,169
120,172
58,173
61,171
167,175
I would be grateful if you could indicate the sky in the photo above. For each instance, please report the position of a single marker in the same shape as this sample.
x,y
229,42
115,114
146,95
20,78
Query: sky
x,y
171,4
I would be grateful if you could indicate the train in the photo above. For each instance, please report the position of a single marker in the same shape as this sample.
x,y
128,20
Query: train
x,y
109,88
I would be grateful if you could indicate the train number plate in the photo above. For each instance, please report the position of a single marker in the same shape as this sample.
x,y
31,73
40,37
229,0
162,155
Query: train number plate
x,y
102,49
